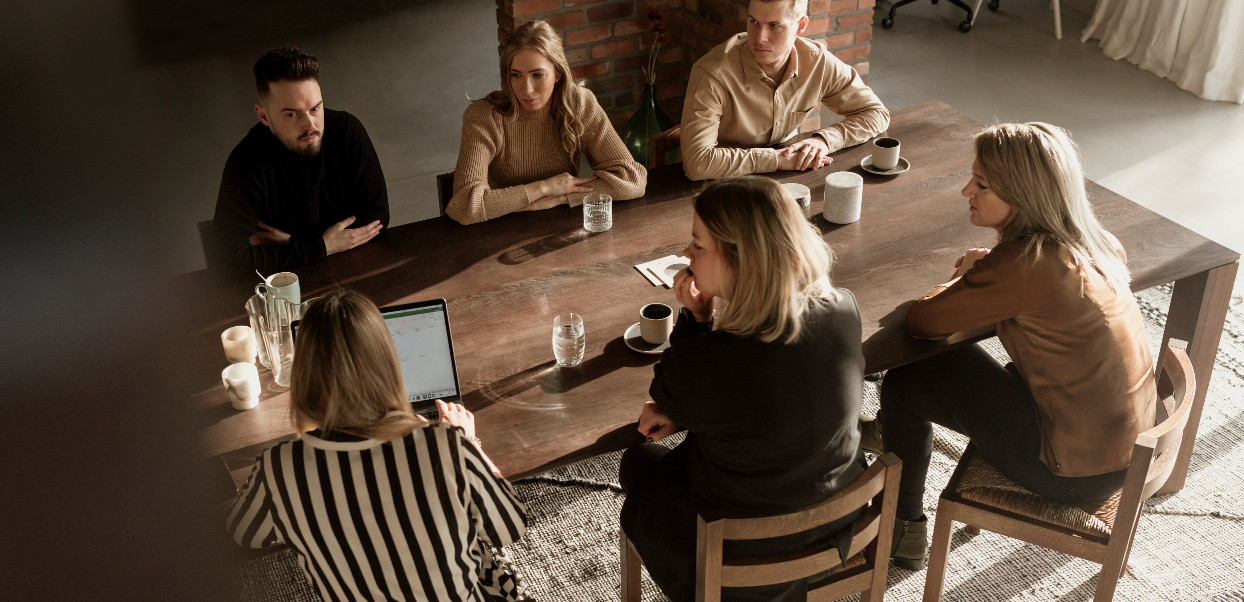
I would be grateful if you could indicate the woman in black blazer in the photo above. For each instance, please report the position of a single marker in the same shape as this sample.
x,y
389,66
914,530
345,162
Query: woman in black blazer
x,y
768,387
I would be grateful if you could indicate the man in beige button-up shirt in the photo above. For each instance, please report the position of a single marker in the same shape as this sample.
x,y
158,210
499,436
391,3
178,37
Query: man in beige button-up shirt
x,y
749,96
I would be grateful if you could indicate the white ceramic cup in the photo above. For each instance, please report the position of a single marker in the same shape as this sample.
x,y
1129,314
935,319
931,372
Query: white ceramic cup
x,y
656,321
239,344
281,284
885,153
844,197
242,385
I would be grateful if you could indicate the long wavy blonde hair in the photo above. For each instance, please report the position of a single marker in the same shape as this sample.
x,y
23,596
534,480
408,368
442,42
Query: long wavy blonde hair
x,y
1036,168
778,259
540,36
346,376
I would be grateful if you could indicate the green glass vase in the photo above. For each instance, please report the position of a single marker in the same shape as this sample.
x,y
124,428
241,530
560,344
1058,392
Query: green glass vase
x,y
648,121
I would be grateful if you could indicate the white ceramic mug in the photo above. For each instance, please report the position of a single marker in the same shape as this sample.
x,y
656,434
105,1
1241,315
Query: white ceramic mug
x,y
885,153
283,285
242,385
656,321
239,344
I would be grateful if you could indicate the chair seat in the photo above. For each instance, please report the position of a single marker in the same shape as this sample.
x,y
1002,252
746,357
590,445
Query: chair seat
x,y
854,561
984,483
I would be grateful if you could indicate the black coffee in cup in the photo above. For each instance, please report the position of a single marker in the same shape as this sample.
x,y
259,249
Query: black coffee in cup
x,y
656,311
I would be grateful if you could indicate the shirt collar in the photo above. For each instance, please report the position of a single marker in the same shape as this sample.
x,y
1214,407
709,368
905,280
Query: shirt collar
x,y
752,73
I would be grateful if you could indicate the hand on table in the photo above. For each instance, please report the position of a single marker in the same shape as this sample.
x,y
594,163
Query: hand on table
x,y
337,238
267,235
809,153
654,424
965,263
700,305
556,186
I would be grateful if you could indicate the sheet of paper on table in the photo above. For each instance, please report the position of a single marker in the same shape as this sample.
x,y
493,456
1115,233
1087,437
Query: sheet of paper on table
x,y
662,271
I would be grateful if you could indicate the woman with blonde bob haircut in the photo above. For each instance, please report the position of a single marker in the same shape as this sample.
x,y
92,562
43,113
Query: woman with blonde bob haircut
x,y
521,144
360,496
769,389
1061,419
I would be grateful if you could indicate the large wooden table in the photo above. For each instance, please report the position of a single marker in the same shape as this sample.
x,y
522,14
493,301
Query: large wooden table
x,y
506,279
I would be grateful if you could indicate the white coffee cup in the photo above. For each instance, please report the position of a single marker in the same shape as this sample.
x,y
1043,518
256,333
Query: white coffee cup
x,y
656,321
844,197
242,385
239,344
885,153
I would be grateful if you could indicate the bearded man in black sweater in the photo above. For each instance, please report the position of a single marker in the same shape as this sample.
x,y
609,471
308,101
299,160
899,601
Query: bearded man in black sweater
x,y
304,183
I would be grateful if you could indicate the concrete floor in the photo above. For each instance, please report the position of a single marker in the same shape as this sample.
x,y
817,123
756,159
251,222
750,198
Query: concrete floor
x,y
1139,135
406,74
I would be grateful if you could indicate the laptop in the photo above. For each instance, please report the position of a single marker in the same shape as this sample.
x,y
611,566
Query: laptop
x,y
425,351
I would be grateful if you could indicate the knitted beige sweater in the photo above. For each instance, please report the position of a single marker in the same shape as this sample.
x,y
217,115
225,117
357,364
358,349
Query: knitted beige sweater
x,y
499,154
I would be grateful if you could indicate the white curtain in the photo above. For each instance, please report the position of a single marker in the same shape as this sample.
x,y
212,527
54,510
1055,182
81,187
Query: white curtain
x,y
1198,44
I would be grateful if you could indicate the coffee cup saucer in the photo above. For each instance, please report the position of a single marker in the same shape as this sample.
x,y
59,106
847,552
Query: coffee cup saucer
x,y
901,167
636,342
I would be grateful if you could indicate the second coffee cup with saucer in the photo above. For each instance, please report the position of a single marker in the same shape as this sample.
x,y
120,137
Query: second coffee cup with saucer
x,y
901,167
652,333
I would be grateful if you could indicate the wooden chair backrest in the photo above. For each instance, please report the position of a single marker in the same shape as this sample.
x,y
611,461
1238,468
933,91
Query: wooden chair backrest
x,y
207,240
1160,444
445,189
881,477
661,144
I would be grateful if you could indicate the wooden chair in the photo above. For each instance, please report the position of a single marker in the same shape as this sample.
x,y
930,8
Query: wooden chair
x,y
661,144
979,496
445,189
864,571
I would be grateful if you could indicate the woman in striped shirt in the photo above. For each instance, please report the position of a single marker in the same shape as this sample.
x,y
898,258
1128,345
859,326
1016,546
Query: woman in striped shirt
x,y
378,503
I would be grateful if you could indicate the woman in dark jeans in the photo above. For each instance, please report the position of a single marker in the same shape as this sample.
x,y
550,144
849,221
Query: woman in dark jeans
x,y
769,389
1062,418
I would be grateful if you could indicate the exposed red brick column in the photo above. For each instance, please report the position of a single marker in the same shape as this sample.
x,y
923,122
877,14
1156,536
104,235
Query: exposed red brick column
x,y
607,41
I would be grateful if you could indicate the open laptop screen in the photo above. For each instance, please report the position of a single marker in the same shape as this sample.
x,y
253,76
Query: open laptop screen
x,y
420,333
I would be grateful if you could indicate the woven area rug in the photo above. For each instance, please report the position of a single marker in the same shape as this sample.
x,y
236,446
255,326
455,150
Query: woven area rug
x,y
1189,545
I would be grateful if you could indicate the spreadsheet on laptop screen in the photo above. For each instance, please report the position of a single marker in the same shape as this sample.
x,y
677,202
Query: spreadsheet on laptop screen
x,y
421,337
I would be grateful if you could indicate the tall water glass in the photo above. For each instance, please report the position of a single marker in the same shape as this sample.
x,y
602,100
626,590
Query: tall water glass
x,y
569,340
597,212
279,337
256,309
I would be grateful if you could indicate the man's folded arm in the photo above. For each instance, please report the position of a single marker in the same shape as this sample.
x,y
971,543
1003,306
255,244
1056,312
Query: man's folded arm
x,y
370,193
234,223
701,118
864,116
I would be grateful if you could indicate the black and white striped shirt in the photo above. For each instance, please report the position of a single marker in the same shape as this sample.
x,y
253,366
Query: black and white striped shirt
x,y
384,520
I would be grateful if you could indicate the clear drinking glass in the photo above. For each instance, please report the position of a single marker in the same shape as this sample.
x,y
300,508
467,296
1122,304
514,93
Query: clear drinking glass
x,y
597,212
569,340
256,309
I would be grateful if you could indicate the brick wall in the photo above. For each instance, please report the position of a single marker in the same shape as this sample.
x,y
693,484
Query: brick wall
x,y
607,41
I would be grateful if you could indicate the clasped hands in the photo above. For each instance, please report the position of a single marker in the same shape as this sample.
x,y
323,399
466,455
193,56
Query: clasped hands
x,y
809,153
965,262
336,238
551,192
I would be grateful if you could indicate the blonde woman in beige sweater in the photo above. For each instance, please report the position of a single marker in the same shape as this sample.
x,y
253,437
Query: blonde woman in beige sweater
x,y
521,144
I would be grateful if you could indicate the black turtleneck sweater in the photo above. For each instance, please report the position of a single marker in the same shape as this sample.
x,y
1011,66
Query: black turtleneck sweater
x,y
264,181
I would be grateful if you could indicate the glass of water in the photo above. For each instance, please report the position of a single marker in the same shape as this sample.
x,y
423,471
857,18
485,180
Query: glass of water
x,y
569,340
597,212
